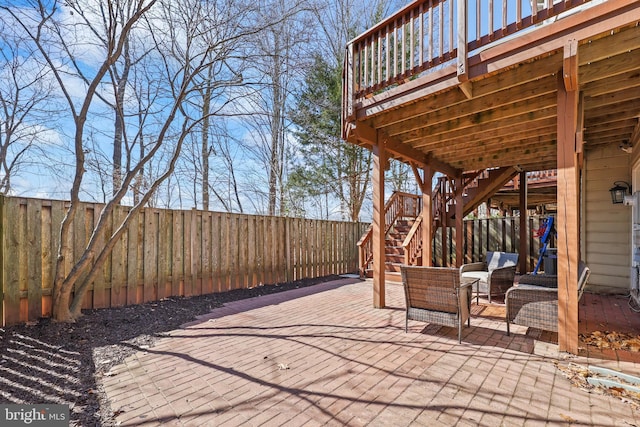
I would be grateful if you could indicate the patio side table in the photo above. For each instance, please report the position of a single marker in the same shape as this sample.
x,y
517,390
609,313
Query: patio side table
x,y
474,285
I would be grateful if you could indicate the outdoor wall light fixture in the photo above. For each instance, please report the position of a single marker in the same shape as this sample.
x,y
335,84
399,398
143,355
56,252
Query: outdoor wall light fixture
x,y
618,191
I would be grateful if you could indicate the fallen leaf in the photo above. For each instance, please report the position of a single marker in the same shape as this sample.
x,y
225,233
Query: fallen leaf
x,y
567,418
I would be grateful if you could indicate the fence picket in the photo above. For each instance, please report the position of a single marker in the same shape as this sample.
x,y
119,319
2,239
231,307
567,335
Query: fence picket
x,y
33,233
11,259
48,258
119,262
100,298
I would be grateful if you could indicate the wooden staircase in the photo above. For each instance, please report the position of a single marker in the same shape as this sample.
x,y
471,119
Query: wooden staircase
x,y
394,250
403,231
401,212
403,244
477,187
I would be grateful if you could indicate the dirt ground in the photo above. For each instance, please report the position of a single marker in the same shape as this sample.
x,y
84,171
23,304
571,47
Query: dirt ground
x,y
49,362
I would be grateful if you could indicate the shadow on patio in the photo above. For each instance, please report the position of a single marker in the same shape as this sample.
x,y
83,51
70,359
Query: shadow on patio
x,y
326,357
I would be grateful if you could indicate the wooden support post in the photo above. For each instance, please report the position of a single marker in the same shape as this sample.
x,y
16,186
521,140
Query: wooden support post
x,y
459,222
379,162
568,208
427,217
524,221
444,222
463,61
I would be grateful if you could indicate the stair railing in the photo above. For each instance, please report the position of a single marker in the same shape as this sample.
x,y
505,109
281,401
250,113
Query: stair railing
x,y
399,205
412,244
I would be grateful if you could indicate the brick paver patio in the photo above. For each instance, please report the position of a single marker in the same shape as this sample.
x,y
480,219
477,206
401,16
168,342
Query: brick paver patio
x,y
324,356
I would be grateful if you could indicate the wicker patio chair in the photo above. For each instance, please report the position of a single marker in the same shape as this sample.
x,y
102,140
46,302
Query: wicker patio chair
x,y
537,306
434,295
492,277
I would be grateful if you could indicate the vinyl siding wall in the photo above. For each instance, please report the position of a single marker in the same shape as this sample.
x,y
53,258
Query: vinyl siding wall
x,y
606,228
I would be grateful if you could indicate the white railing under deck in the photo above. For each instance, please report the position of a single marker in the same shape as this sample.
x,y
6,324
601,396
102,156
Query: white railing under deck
x,y
429,33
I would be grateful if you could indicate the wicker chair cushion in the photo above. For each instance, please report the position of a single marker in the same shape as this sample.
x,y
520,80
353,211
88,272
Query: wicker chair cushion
x,y
476,275
482,285
500,259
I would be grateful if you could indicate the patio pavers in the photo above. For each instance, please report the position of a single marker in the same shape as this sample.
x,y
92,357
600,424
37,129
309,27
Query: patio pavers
x,y
323,356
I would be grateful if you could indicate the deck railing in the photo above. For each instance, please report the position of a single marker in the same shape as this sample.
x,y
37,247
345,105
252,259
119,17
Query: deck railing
x,y
429,33
535,179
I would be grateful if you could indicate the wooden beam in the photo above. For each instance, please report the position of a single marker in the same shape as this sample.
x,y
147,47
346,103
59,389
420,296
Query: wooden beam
x,y
613,124
570,65
613,67
522,123
500,149
419,179
518,108
467,89
523,250
524,73
443,167
623,81
365,133
615,128
474,108
459,227
488,187
631,94
402,151
435,82
378,240
631,108
568,220
580,131
597,49
427,217
635,135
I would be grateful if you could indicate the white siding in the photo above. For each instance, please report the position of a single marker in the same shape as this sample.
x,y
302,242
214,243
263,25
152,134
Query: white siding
x,y
606,227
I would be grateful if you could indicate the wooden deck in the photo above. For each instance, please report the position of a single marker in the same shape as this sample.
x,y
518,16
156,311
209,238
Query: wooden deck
x,y
501,109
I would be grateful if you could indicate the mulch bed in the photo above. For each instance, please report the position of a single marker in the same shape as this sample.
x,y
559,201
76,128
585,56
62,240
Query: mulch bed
x,y
49,362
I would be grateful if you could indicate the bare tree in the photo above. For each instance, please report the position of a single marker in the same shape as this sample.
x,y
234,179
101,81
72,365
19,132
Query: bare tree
x,y
27,105
186,38
282,57
326,164
213,174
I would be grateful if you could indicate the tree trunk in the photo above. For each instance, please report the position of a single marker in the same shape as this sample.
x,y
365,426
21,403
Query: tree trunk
x,y
121,88
206,111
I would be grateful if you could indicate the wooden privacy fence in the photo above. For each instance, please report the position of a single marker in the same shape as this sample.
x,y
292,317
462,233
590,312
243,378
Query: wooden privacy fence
x,y
490,234
163,253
